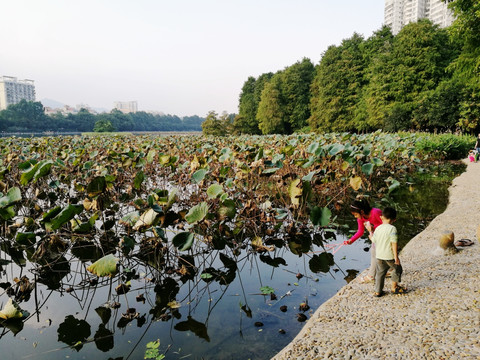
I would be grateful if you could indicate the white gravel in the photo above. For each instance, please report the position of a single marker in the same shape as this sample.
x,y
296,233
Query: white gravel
x,y
439,317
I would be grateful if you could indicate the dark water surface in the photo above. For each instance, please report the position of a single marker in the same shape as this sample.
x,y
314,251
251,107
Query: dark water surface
x,y
69,320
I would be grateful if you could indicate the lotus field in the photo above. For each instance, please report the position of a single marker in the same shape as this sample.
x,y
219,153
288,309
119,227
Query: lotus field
x,y
176,214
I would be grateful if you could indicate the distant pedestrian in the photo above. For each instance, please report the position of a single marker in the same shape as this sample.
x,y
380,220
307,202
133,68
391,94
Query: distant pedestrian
x,y
477,147
471,155
385,240
369,218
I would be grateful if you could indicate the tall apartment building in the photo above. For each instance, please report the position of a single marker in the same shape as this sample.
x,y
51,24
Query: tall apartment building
x,y
126,106
399,13
13,90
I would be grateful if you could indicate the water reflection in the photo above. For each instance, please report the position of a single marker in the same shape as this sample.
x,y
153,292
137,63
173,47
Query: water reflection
x,y
208,306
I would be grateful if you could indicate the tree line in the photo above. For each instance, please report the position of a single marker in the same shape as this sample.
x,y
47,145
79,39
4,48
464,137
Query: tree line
x,y
424,78
28,116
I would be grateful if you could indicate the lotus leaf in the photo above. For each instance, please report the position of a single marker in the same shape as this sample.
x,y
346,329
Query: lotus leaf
x,y
214,190
25,239
151,156
295,192
43,169
199,175
367,169
139,178
106,266
12,310
378,162
320,216
197,213
183,241
335,149
356,182
97,186
266,290
147,219
13,195
309,176
227,209
65,215
393,185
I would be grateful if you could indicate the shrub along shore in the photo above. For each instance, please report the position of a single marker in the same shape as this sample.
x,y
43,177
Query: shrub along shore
x,y
439,317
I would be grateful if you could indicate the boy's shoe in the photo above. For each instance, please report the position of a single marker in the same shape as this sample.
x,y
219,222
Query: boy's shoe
x,y
399,290
380,294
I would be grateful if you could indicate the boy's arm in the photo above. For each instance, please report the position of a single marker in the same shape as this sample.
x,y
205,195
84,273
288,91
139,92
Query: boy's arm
x,y
395,252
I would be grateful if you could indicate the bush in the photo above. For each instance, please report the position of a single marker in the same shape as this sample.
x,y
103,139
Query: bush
x,y
445,146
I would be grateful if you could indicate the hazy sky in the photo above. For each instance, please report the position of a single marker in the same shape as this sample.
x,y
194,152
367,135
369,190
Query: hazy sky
x,y
182,57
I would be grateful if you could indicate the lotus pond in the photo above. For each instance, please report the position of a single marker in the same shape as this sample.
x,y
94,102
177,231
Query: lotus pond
x,y
187,247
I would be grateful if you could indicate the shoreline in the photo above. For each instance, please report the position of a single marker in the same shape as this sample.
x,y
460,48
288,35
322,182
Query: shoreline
x,y
439,317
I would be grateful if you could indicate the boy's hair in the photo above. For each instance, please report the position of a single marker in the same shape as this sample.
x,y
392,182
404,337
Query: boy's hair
x,y
389,213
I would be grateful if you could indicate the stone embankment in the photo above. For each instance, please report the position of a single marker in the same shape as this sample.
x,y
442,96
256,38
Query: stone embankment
x,y
439,316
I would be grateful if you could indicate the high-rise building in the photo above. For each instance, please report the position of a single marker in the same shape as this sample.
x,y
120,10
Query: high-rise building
x,y
399,13
13,90
126,106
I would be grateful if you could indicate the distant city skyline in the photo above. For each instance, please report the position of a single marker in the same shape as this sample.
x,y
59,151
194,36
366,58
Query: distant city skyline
x,y
183,58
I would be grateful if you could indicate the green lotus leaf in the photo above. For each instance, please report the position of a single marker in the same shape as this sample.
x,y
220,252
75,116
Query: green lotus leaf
x,y
139,178
65,215
393,185
151,156
97,186
367,169
13,195
43,169
335,149
378,162
197,213
183,241
51,214
309,176
147,219
106,266
227,209
12,310
25,239
127,244
214,190
130,219
7,213
267,290
199,175
270,170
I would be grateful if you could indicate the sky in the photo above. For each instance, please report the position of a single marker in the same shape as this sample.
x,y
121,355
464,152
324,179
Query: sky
x,y
180,57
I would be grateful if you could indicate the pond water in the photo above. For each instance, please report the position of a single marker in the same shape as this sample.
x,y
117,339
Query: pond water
x,y
229,315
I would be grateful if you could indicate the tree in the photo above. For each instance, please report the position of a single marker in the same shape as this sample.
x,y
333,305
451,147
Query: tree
x,y
404,75
103,125
217,126
24,116
466,29
296,82
337,86
271,110
246,122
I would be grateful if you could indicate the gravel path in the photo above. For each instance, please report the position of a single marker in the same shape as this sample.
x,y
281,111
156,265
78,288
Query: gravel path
x,y
439,318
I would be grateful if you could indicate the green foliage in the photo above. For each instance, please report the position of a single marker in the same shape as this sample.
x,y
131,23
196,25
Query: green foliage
x,y
103,125
152,351
106,266
30,117
217,126
446,146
